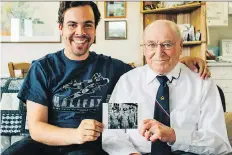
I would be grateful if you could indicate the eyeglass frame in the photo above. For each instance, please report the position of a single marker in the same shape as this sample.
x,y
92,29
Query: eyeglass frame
x,y
161,44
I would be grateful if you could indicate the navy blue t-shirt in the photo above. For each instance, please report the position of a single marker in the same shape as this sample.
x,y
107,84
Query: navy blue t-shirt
x,y
72,90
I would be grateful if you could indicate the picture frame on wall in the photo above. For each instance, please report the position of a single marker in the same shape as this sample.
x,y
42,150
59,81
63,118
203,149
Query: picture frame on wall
x,y
116,30
115,9
29,22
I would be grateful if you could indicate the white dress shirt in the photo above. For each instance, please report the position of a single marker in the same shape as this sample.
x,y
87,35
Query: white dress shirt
x,y
196,112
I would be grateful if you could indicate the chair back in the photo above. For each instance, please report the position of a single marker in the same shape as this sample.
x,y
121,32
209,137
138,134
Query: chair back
x,y
22,66
132,64
222,98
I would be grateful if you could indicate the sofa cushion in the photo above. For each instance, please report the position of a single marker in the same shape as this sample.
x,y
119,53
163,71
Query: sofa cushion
x,y
13,111
5,142
15,139
228,118
12,122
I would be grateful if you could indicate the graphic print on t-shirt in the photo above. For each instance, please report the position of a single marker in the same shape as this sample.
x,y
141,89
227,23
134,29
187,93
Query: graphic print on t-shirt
x,y
80,96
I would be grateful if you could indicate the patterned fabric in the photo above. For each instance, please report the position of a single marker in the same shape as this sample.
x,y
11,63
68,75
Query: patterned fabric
x,y
12,122
161,113
11,85
13,111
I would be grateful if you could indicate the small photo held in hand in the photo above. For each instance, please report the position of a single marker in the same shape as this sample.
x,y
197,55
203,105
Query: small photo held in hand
x,y
120,115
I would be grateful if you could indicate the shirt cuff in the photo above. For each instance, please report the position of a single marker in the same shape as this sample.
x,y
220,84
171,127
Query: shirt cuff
x,y
183,138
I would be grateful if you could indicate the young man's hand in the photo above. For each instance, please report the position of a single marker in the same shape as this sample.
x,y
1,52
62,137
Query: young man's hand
x,y
153,130
193,63
88,130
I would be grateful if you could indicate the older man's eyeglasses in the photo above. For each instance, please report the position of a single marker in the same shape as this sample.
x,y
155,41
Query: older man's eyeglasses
x,y
164,46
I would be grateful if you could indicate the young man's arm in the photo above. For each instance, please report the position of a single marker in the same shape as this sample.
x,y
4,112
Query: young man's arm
x,y
41,131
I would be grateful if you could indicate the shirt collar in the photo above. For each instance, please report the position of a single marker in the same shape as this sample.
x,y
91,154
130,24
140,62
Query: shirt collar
x,y
151,75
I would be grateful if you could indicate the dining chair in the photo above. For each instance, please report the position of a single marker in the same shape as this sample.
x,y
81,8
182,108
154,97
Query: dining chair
x,y
22,66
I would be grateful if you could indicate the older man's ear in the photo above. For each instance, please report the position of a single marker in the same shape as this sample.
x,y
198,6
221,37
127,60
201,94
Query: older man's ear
x,y
181,46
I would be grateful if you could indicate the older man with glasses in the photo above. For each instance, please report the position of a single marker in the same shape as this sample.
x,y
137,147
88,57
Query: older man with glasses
x,y
180,113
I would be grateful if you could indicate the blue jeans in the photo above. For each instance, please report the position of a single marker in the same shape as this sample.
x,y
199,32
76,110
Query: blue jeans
x,y
28,146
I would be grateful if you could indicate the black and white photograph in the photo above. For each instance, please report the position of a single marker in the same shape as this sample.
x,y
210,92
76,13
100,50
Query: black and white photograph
x,y
122,116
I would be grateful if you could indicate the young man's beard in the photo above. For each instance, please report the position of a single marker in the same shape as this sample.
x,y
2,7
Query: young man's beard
x,y
79,50
82,51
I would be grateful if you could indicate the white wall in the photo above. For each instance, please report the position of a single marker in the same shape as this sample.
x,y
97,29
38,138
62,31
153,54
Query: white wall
x,y
126,50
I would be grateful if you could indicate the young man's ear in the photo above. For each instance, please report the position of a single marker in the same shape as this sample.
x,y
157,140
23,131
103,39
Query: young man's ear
x,y
60,28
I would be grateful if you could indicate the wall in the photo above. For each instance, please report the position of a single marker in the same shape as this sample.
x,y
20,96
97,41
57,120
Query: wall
x,y
218,33
126,50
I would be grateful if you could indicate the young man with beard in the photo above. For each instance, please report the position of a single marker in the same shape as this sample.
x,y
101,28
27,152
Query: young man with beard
x,y
64,90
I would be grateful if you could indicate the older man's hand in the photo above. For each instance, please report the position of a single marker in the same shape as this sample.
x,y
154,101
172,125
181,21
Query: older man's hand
x,y
193,62
153,130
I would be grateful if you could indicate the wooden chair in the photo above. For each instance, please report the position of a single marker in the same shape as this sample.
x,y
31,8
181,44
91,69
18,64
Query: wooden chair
x,y
222,98
132,64
23,66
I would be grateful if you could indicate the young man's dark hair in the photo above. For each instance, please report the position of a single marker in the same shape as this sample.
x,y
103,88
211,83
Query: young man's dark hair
x,y
65,5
